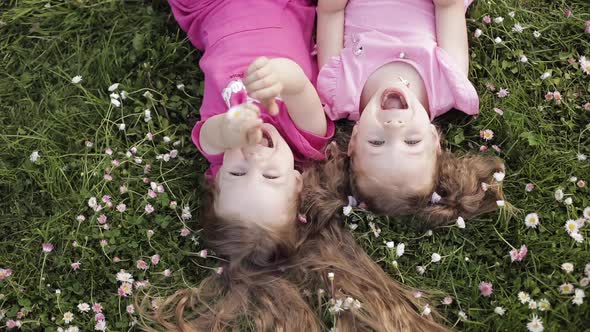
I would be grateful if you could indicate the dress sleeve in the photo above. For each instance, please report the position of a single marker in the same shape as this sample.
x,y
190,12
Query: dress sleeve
x,y
463,91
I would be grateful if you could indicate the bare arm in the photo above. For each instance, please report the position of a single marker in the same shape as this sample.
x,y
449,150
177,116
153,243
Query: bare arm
x,y
269,78
451,30
330,29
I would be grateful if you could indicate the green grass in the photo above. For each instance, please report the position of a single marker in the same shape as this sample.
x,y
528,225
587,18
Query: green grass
x,y
139,45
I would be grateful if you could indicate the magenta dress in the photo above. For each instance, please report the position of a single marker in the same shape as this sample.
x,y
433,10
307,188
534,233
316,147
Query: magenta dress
x,y
231,34
378,32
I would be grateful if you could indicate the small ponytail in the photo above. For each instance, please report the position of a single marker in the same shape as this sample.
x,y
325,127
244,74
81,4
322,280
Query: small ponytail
x,y
466,187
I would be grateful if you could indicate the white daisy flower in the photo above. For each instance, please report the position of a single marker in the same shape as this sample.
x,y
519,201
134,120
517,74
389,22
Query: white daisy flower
x,y
566,288
558,195
523,297
121,126
511,14
517,28
180,86
536,34
347,210
568,201
571,226
500,311
523,58
498,40
531,220
535,325
116,103
76,79
545,75
498,19
499,176
585,65
477,33
577,236
586,212
544,305
68,317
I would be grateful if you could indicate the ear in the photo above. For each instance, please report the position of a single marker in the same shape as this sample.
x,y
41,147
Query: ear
x,y
352,141
436,136
298,181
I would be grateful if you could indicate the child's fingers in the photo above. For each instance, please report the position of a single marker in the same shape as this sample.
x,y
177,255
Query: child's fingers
x,y
266,93
254,135
257,75
254,109
256,65
261,83
271,106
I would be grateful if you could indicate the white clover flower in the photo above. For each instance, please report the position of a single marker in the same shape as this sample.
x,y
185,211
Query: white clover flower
x,y
498,40
499,176
460,222
567,267
535,325
400,249
523,297
436,258
568,201
500,311
558,195
34,157
76,79
113,87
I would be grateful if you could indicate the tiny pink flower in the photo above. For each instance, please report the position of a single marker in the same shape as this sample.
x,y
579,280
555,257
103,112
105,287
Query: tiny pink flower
x,y
503,93
121,207
568,13
116,163
133,150
130,309
155,259
496,148
152,194
167,273
549,96
106,199
219,270
80,218
5,273
499,111
102,219
12,324
149,209
88,144
587,107
97,308
146,180
491,87
75,266
116,259
150,136
487,19
147,168
47,247
487,134
587,30
518,255
447,300
142,265
485,288
477,33
184,232
173,153
150,233
104,243
107,177
99,317
108,151
173,204
483,148
123,189
529,187
203,253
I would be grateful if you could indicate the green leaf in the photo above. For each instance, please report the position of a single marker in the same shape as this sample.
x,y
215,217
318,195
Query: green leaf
x,y
459,136
530,137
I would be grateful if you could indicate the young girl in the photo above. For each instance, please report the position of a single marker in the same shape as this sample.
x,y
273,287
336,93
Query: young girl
x,y
393,66
250,216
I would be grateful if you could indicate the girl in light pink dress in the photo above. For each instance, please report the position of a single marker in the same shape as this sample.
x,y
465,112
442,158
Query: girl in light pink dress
x,y
394,66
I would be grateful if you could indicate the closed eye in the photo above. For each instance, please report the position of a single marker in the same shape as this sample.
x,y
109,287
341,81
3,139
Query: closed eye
x,y
271,177
412,142
377,142
237,173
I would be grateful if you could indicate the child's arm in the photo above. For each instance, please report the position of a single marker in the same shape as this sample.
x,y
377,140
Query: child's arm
x,y
451,30
240,126
270,78
330,30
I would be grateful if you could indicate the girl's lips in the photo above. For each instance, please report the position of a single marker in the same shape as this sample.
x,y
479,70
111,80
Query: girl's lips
x,y
393,99
266,139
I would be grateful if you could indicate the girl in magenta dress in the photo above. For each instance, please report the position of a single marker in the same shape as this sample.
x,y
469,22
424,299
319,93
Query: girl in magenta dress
x,y
393,67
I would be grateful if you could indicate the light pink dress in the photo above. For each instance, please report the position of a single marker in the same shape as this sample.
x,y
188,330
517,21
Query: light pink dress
x,y
378,32
231,34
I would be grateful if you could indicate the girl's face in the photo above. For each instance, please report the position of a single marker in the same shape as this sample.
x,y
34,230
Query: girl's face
x,y
394,144
259,183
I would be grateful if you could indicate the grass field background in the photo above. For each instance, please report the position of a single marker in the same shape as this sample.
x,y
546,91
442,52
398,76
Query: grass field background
x,y
62,143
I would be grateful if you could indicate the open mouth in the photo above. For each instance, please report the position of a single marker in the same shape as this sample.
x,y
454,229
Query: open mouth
x,y
266,139
393,99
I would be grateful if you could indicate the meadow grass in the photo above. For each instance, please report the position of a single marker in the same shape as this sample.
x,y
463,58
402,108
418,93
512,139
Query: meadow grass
x,y
74,126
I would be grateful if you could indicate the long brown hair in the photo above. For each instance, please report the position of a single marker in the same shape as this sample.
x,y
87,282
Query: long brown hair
x,y
267,271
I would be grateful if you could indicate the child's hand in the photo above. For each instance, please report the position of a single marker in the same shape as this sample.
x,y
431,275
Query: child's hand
x,y
263,83
243,126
